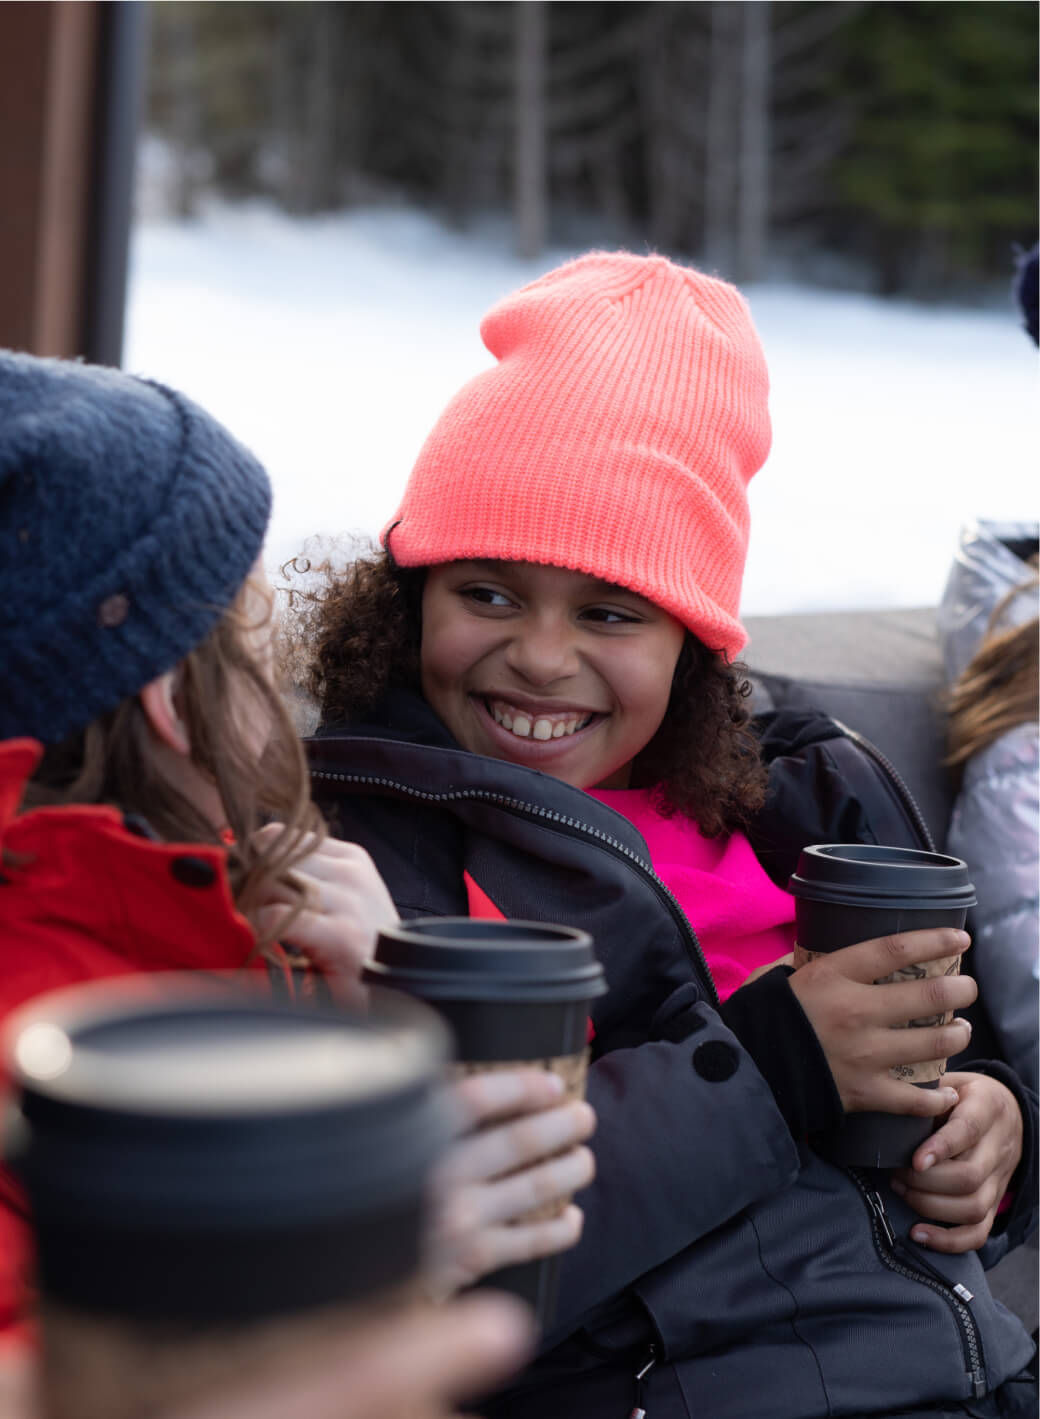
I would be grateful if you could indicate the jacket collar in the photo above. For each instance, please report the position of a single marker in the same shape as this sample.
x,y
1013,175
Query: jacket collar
x,y
402,716
79,869
402,739
538,847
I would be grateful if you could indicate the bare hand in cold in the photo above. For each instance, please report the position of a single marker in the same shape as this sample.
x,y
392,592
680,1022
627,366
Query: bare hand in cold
x,y
347,904
858,1023
503,1170
415,1365
762,970
961,1172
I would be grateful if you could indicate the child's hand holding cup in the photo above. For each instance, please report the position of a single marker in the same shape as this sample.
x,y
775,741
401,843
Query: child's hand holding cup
x,y
856,905
514,993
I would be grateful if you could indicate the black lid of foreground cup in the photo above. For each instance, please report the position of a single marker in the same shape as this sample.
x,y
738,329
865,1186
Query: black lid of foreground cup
x,y
218,1158
465,958
870,875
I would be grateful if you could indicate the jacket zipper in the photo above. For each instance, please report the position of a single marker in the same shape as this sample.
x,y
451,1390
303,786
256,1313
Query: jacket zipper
x,y
896,779
896,1253
534,810
639,1411
898,1256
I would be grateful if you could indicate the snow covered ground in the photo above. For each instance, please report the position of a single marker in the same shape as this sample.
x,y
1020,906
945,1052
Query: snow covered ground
x,y
330,345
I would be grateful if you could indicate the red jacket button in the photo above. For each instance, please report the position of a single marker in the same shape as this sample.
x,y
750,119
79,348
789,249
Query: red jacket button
x,y
193,871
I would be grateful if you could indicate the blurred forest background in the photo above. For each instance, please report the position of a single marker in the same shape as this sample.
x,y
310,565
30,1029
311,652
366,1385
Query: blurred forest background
x,y
895,140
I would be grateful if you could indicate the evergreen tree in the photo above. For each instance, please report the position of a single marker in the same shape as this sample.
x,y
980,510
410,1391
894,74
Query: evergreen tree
x,y
940,170
903,134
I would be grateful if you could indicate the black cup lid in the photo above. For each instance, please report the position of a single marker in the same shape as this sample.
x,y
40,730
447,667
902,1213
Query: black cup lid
x,y
196,1108
874,875
463,958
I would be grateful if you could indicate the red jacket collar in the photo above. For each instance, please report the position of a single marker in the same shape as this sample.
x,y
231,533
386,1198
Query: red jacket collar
x,y
18,760
159,905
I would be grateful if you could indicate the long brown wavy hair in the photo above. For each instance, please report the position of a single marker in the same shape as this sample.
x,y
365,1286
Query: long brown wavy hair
x,y
999,688
224,686
355,633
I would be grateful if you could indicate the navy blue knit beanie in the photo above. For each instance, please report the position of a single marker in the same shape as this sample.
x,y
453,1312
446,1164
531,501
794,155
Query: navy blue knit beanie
x,y
129,519
1026,291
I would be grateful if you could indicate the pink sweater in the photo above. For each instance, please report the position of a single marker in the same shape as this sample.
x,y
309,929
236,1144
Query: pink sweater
x,y
741,918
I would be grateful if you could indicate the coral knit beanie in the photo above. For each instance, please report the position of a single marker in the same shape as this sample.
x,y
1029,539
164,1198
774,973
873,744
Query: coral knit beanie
x,y
615,436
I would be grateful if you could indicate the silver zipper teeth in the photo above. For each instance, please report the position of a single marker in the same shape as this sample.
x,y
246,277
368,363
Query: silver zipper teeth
x,y
503,800
897,778
969,1332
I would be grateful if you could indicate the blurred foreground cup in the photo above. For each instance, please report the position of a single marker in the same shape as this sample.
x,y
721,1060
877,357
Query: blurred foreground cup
x,y
217,1181
514,993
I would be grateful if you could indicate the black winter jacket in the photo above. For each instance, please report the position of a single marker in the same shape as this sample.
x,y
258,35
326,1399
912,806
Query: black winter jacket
x,y
754,1278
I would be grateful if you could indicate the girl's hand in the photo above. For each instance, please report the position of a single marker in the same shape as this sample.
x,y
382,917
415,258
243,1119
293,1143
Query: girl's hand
x,y
409,1365
495,1175
960,1174
855,1020
347,905
19,1397
787,960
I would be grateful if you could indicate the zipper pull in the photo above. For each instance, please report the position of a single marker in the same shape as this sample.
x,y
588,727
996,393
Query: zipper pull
x,y
917,1257
639,1412
904,1247
877,1206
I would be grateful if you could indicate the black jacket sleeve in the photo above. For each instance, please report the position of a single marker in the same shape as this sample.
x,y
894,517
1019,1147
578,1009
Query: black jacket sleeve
x,y
769,1022
689,1135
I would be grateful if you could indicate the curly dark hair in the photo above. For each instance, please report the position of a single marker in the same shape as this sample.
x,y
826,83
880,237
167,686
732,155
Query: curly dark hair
x,y
356,634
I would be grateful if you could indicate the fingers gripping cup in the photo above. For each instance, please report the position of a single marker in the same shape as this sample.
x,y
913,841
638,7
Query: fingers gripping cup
x,y
514,993
847,893
217,1182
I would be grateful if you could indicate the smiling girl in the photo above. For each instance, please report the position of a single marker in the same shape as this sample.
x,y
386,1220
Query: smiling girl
x,y
530,706
547,667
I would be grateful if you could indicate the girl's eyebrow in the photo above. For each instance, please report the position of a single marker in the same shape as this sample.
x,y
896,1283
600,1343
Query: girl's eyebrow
x,y
611,588
496,567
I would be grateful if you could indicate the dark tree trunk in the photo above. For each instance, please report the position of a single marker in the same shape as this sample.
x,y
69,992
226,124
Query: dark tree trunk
x,y
753,201
721,157
530,207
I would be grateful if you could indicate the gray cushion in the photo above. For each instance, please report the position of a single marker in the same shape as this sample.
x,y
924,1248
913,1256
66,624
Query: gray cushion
x,y
879,672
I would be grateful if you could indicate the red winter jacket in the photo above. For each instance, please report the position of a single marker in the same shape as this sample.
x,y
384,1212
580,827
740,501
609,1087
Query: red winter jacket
x,y
83,898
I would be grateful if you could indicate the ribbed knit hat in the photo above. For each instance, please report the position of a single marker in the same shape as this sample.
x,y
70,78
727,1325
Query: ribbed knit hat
x,y
615,436
129,519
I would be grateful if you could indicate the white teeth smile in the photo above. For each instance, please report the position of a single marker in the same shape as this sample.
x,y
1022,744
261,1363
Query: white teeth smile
x,y
527,726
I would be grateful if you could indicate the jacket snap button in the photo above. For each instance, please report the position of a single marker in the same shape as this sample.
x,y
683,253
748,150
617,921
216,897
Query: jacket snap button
x,y
114,610
715,1060
193,871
